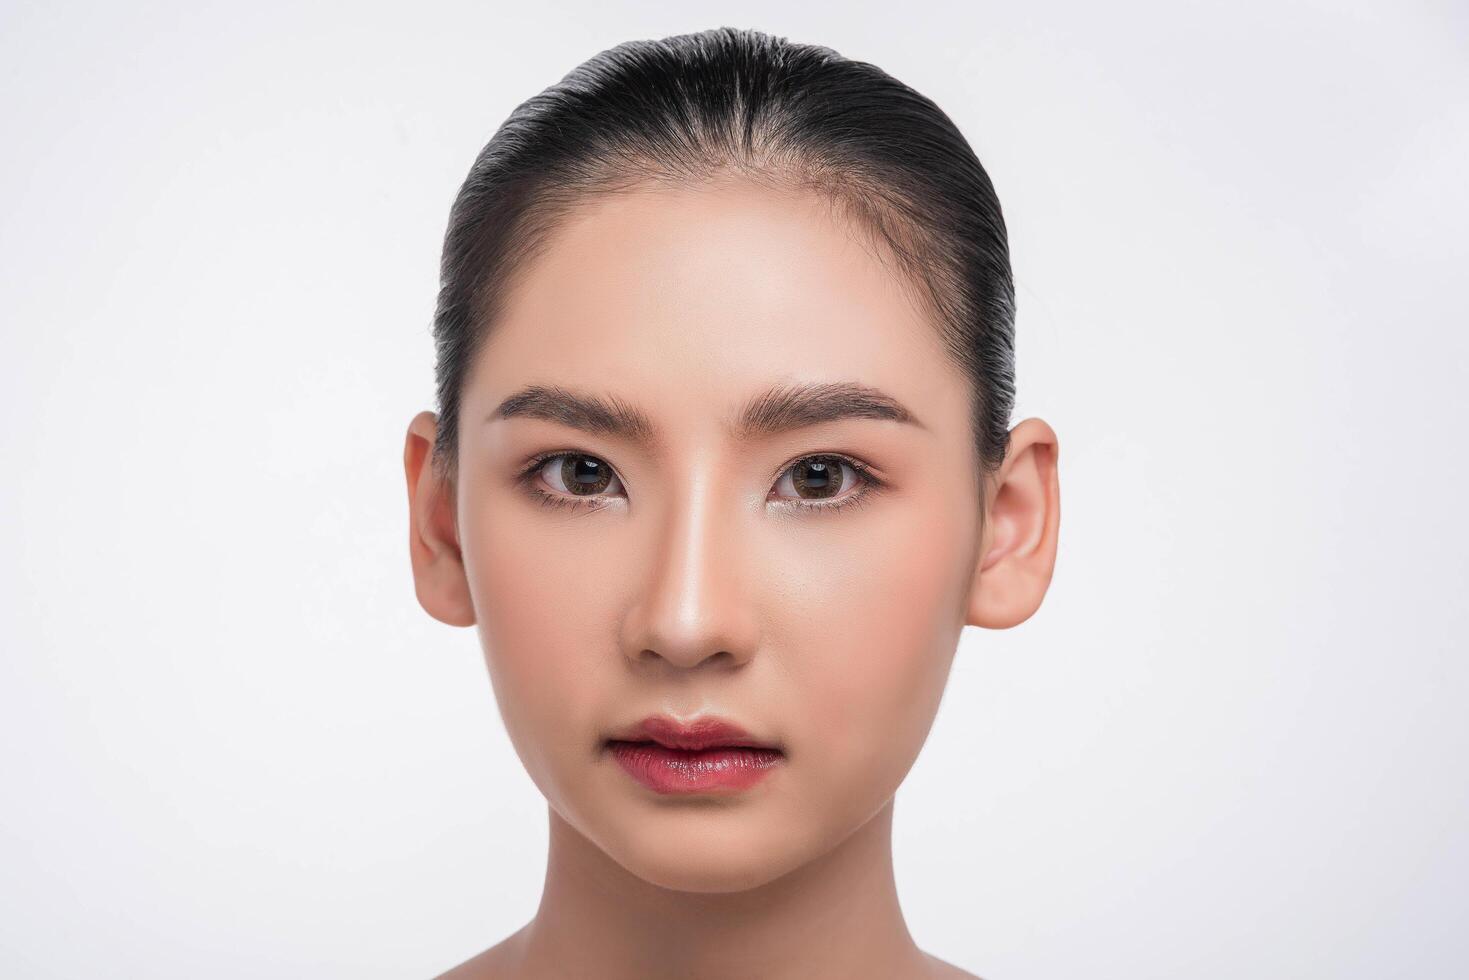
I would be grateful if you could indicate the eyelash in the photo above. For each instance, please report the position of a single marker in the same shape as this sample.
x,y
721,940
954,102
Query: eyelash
x,y
870,484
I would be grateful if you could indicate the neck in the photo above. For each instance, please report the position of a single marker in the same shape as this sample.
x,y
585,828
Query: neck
x,y
837,915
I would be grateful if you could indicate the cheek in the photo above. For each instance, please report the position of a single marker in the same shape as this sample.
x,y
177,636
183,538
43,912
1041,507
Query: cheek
x,y
874,637
538,624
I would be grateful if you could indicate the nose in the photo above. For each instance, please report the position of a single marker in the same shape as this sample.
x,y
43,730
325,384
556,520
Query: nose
x,y
693,605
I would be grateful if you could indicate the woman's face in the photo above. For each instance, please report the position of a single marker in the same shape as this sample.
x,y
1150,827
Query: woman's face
x,y
701,569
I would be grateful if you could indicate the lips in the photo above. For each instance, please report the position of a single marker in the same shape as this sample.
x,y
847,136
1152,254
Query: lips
x,y
701,733
707,756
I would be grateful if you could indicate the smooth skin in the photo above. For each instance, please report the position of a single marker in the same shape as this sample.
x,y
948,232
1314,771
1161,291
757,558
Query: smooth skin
x,y
694,582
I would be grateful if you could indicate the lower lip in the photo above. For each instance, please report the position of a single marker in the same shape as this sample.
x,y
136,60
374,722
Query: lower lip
x,y
665,770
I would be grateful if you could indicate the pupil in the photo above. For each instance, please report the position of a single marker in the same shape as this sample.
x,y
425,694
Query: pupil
x,y
587,471
584,475
818,477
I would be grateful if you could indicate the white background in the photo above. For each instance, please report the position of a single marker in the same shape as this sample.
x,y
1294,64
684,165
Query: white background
x,y
1231,743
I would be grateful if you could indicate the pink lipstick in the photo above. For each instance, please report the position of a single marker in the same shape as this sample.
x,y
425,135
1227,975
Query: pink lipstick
x,y
708,755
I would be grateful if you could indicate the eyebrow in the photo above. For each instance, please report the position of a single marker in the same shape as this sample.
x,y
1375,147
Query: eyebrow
x,y
779,408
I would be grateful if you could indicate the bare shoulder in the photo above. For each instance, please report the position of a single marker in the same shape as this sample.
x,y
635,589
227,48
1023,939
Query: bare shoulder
x,y
496,963
944,970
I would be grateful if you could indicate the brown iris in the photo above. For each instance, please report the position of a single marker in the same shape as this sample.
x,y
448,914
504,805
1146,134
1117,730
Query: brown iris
x,y
822,475
585,475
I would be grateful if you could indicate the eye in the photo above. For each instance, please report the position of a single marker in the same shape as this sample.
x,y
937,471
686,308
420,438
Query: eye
x,y
576,473
581,481
817,482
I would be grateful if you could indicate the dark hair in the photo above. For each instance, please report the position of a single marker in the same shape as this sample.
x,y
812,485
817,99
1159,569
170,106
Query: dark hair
x,y
690,107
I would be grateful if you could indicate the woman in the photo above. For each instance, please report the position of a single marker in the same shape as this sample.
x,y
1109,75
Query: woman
x,y
721,470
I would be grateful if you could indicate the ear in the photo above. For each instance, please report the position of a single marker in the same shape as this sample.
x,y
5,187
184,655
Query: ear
x,y
433,533
1023,518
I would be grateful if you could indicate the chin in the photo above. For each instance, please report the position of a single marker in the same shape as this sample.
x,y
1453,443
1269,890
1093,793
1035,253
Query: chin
x,y
700,871
709,851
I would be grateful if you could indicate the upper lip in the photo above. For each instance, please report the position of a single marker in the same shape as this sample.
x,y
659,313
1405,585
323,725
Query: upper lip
x,y
698,733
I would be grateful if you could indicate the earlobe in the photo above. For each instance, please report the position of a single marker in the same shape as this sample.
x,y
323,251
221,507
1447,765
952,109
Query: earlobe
x,y
439,578
1018,555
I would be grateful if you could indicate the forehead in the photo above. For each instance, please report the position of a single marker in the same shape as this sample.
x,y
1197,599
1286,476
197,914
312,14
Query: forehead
x,y
704,293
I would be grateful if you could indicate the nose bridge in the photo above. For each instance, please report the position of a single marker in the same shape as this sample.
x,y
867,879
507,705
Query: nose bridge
x,y
693,604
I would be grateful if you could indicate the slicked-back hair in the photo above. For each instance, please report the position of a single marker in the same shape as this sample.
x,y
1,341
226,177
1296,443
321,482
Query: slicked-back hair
x,y
730,103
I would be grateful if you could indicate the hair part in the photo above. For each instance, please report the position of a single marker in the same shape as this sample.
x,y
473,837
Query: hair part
x,y
728,103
